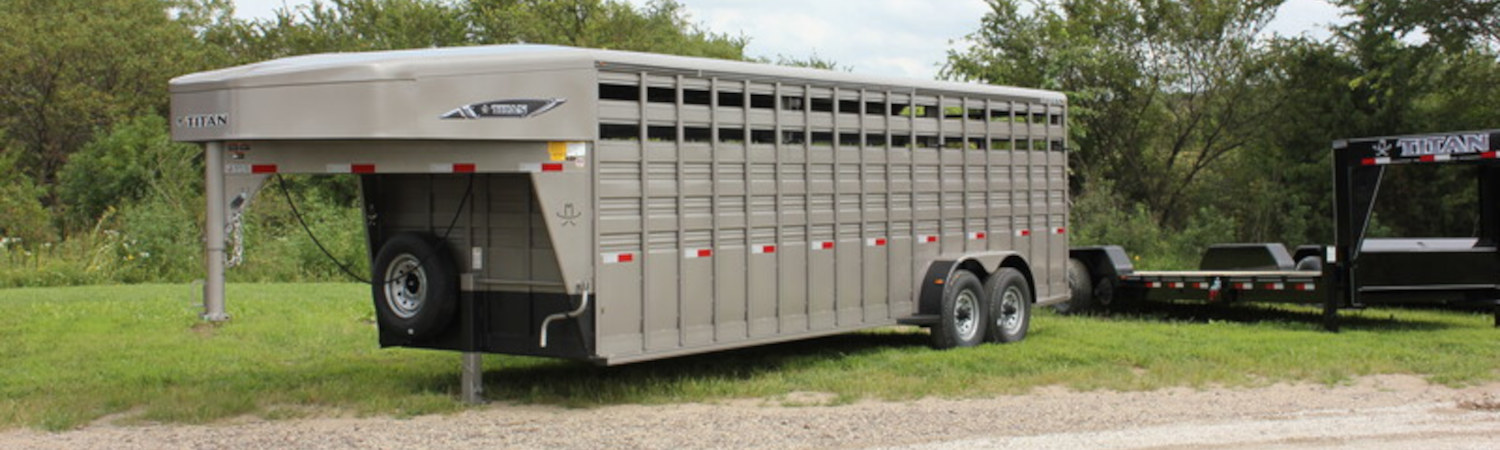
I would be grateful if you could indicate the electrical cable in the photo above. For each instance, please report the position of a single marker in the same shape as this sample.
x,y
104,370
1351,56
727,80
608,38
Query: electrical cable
x,y
287,193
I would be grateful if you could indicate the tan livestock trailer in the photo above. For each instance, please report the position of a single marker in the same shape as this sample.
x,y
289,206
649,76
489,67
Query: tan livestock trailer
x,y
615,207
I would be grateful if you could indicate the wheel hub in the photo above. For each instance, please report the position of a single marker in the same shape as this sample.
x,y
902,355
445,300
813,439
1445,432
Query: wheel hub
x,y
405,286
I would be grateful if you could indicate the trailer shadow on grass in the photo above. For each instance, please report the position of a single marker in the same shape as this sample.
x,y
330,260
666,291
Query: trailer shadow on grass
x,y
580,384
1292,316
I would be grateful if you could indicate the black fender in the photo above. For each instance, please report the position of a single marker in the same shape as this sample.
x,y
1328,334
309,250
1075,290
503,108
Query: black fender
x,y
939,271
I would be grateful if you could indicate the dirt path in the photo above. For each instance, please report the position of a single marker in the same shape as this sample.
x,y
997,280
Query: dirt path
x,y
1377,412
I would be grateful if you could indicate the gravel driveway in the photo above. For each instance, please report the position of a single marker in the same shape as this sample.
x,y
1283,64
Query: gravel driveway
x,y
1374,412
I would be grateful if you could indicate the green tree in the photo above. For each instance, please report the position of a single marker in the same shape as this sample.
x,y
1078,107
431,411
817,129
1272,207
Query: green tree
x,y
662,26
70,67
1160,90
21,212
134,161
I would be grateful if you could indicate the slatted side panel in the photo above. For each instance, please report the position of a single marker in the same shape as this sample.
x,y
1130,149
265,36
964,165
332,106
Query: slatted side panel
x,y
753,210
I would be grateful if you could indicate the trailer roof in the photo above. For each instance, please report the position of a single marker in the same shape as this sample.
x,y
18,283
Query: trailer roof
x,y
454,61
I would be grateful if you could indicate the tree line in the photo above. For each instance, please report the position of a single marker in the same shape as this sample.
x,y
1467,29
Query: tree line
x,y
1192,124
1189,122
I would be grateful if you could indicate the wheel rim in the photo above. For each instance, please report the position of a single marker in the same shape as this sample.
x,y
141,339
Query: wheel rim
x,y
965,315
1012,310
405,286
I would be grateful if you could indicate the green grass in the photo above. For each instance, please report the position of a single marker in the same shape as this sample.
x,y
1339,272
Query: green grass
x,y
70,356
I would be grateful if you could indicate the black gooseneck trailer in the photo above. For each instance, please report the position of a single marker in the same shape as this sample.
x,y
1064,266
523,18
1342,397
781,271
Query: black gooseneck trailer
x,y
1357,270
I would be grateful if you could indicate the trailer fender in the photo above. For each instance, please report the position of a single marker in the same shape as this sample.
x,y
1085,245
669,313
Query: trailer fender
x,y
939,271
1104,261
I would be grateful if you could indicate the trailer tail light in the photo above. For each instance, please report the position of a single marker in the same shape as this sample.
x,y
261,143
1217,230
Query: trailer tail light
x,y
620,257
262,168
976,235
762,249
1059,230
552,167
875,242
1023,233
823,245
928,239
698,253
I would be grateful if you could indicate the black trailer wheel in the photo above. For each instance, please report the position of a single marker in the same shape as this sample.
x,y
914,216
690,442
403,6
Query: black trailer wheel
x,y
415,284
1008,297
1310,264
961,322
1081,292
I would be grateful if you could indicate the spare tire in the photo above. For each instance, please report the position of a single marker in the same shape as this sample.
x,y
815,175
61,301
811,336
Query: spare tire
x,y
415,284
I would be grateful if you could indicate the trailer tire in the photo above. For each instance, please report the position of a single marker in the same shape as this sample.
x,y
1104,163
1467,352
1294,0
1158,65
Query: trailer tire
x,y
415,284
1081,293
961,321
1008,298
1310,263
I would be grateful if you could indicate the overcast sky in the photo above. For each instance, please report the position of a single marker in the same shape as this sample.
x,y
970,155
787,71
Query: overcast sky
x,y
878,37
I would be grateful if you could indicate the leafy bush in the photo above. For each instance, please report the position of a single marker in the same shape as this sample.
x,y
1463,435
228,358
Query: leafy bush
x,y
276,248
133,161
23,219
1102,217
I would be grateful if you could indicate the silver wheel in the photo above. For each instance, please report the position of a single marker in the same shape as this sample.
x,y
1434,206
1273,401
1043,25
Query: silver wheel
x,y
966,315
405,286
1012,310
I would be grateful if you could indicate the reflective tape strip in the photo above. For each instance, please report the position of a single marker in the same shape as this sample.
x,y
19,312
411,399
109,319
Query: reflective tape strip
x,y
1023,233
1375,161
1275,286
541,167
697,253
1178,285
620,257
1153,284
1059,230
242,169
350,168
927,239
875,242
1200,285
1244,286
1306,287
822,245
452,168
976,235
761,249
1489,155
